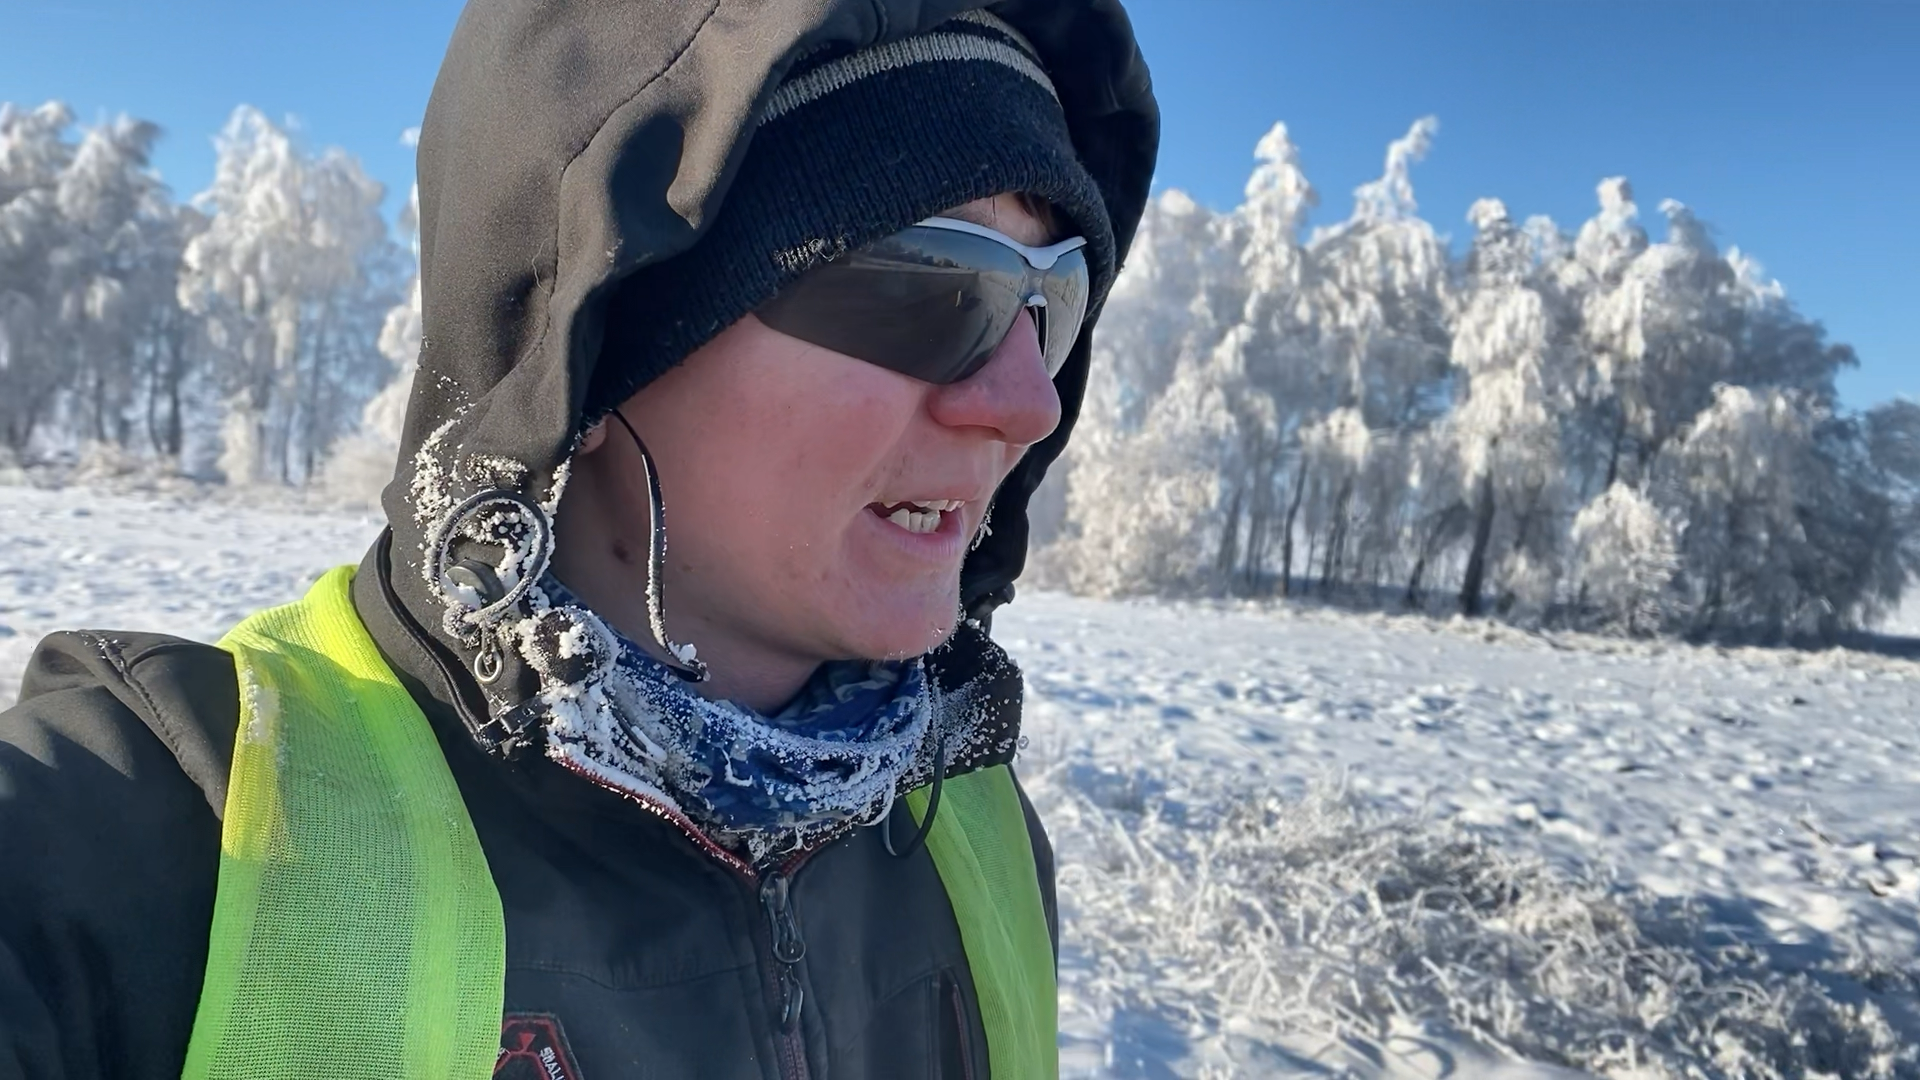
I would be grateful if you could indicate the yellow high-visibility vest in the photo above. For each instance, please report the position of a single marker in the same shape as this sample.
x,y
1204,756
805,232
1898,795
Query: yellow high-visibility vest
x,y
355,907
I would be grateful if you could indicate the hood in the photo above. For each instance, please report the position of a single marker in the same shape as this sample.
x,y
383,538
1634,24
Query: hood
x,y
567,145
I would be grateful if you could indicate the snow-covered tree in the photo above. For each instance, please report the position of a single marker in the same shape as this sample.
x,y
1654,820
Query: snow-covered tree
x,y
1893,447
1179,293
118,265
1334,453
363,462
294,275
90,245
1279,375
1511,348
33,154
1786,533
1379,296
1175,297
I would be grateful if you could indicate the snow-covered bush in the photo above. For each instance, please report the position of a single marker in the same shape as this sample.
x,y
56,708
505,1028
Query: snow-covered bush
x,y
1627,554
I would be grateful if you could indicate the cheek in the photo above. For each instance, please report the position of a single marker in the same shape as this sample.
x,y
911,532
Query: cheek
x,y
790,454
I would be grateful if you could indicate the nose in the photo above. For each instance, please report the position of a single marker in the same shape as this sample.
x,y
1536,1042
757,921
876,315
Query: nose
x,y
1011,396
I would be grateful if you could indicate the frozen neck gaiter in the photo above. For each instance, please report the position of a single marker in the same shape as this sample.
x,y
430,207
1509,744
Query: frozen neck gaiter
x,y
833,758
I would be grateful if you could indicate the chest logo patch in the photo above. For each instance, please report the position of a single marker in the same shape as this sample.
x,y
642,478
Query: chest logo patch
x,y
533,1047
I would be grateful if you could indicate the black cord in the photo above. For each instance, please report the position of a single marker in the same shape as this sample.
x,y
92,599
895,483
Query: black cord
x,y
692,670
933,807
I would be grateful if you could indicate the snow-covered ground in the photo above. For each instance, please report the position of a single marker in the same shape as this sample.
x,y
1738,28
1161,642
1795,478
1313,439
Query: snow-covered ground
x,y
81,558
1296,842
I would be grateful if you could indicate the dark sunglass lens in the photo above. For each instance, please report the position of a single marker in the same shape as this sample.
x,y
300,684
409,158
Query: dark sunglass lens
x,y
930,303
1067,287
915,312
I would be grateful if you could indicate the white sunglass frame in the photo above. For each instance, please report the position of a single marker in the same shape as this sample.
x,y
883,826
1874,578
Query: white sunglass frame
x,y
1040,258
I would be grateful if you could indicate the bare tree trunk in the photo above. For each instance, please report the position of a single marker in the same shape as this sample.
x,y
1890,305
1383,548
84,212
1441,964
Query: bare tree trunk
x,y
1613,457
1443,525
1259,526
1475,581
1336,537
1259,538
1229,551
99,405
1286,531
174,431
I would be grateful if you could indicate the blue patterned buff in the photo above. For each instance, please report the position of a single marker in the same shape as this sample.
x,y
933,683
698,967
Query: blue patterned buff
x,y
834,757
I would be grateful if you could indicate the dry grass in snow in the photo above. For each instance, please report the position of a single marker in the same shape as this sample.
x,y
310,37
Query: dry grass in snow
x,y
1314,936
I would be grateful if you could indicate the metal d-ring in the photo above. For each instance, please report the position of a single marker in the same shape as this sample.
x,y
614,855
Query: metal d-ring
x,y
488,663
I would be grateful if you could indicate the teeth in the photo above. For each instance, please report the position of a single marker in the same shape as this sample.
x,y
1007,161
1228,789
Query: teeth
x,y
916,521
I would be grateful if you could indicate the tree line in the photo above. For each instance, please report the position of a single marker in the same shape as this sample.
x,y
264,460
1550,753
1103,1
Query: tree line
x,y
234,334
1588,428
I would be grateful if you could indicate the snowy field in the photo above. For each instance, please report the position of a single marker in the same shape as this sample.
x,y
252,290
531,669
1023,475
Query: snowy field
x,y
1303,843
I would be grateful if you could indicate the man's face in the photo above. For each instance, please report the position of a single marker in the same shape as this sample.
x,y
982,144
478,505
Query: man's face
x,y
784,468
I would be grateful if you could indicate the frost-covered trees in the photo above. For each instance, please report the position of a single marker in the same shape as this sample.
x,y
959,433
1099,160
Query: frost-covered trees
x,y
294,276
91,346
1626,556
1787,529
363,462
33,155
131,321
1592,427
1514,362
1597,428
1157,428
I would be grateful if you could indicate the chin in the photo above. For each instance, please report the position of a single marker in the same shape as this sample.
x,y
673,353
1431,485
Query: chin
x,y
901,631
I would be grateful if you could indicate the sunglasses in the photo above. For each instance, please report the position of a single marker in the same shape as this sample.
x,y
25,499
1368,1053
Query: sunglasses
x,y
935,300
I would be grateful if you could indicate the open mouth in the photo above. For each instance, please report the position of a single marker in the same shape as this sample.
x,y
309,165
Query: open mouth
x,y
917,517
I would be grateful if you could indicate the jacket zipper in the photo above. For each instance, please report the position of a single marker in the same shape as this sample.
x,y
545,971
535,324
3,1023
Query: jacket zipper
x,y
784,943
787,948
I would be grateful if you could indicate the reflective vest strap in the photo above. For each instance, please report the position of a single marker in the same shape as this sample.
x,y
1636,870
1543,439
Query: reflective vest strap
x,y
980,845
357,931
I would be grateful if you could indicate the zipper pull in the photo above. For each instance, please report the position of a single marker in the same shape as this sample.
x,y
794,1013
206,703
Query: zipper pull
x,y
792,995
788,946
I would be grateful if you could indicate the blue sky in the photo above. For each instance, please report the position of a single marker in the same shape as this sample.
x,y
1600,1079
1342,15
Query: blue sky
x,y
1786,125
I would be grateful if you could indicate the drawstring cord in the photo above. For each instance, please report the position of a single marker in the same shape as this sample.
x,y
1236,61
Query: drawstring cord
x,y
933,807
680,658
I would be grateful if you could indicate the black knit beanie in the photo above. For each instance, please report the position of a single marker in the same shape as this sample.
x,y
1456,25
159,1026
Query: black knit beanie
x,y
854,146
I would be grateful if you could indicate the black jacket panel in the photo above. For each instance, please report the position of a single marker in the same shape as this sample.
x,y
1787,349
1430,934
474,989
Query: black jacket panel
x,y
109,853
653,955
